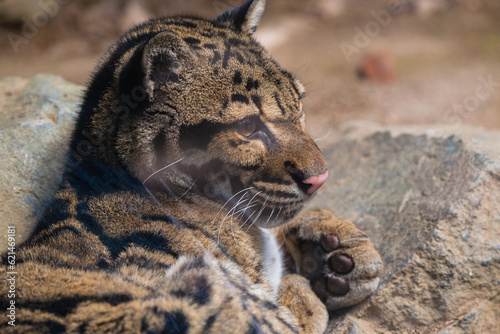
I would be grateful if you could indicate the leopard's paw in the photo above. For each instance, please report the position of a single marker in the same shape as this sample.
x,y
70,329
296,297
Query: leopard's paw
x,y
337,257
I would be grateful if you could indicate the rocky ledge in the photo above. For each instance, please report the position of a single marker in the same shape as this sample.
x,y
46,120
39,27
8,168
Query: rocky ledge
x,y
429,200
36,117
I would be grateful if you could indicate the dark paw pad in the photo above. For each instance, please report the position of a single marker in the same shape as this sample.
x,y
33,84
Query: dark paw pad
x,y
338,286
320,266
329,243
330,286
341,264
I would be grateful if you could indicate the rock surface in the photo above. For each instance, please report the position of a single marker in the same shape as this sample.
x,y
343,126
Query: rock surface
x,y
36,117
431,205
429,201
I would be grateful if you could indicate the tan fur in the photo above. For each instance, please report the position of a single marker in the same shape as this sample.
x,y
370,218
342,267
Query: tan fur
x,y
191,139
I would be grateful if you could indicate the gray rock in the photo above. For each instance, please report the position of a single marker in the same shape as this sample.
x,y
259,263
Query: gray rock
x,y
36,118
431,205
429,201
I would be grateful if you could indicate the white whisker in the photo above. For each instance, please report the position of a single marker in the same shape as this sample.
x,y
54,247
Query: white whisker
x,y
158,171
248,218
234,207
239,192
222,222
251,201
243,210
232,215
275,219
248,205
272,212
188,189
259,214
324,137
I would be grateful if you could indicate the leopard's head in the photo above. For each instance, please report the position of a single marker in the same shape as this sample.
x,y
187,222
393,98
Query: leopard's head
x,y
211,113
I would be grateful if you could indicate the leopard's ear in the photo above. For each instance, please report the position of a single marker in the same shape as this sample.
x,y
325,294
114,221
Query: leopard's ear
x,y
164,60
244,18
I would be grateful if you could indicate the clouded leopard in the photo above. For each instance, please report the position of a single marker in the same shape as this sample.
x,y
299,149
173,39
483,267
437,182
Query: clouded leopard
x,y
180,206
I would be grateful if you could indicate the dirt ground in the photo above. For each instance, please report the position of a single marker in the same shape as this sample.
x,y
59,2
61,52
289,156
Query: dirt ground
x,y
424,64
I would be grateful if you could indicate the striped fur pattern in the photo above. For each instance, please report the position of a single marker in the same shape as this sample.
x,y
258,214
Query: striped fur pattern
x,y
179,210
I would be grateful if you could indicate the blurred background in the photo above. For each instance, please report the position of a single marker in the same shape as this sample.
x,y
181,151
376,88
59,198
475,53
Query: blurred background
x,y
393,62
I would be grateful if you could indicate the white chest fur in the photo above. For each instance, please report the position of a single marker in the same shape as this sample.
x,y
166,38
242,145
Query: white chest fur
x,y
272,259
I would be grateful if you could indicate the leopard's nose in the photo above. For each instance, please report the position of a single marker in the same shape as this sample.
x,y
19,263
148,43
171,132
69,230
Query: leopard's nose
x,y
315,182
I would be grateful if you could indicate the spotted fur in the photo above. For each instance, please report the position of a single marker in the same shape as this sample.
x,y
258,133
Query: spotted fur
x,y
188,158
